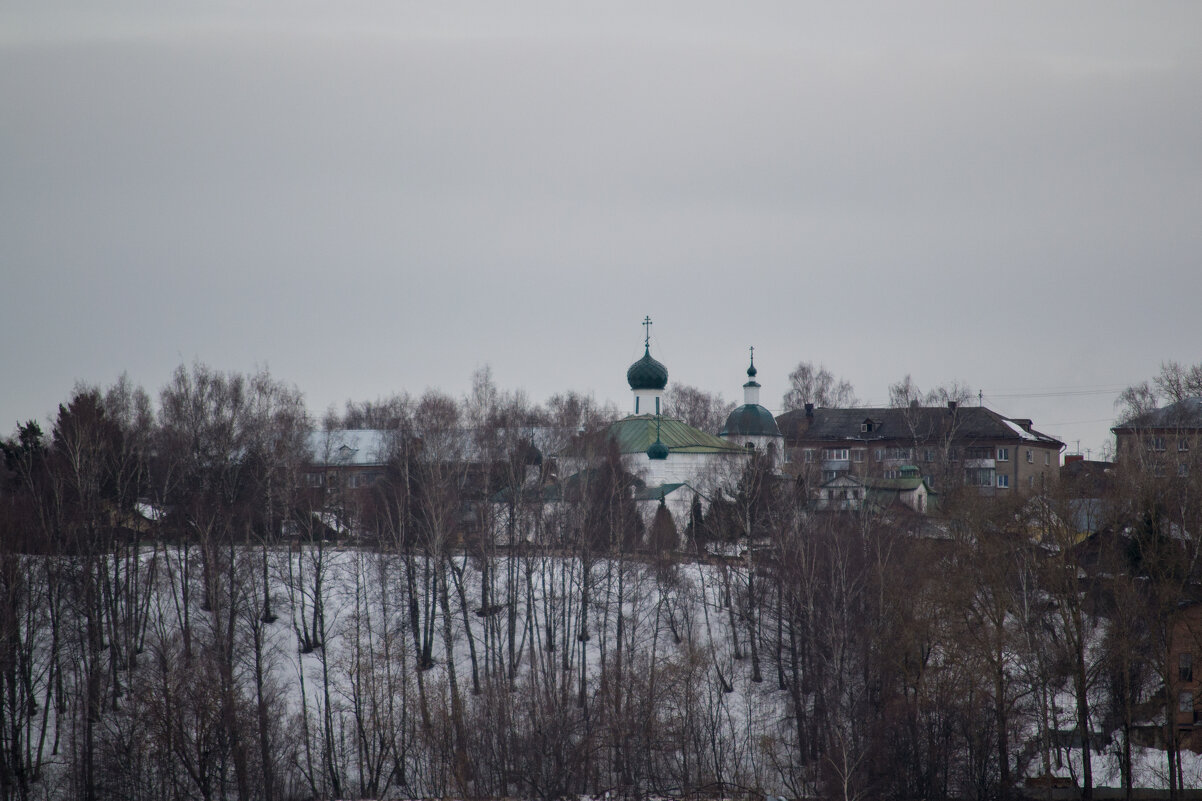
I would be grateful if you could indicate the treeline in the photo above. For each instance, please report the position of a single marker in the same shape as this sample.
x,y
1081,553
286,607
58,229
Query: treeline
x,y
178,621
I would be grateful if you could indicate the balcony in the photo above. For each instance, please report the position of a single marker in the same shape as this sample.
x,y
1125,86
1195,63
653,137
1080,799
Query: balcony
x,y
983,464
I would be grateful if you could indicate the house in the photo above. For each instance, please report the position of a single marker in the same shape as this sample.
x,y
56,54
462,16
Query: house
x,y
950,446
847,492
1162,442
346,458
344,464
1185,675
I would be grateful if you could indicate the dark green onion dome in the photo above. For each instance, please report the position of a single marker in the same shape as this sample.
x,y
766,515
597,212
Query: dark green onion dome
x,y
751,373
657,450
750,420
647,373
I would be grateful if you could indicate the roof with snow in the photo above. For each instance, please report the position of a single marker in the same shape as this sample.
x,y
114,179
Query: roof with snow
x,y
371,447
349,447
1184,414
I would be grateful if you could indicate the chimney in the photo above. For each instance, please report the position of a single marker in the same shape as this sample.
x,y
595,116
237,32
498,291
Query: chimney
x,y
809,410
951,407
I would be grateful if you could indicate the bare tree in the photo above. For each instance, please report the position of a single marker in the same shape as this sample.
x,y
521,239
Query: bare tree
x,y
906,393
1175,382
1134,401
817,385
700,409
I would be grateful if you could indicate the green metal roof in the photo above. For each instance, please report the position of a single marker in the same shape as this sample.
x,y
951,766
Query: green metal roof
x,y
751,420
904,484
635,435
655,493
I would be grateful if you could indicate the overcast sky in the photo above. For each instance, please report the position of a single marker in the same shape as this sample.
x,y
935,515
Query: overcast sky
x,y
374,197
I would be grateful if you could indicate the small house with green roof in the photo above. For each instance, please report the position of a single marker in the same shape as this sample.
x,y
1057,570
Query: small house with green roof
x,y
847,492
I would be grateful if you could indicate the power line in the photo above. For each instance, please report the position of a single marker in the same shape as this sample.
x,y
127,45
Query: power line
x,y
1060,393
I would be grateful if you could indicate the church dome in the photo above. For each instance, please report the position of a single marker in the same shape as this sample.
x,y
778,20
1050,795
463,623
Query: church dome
x,y
750,420
647,373
657,450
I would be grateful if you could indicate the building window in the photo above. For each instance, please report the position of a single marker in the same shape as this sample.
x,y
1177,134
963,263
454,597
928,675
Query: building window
x,y
314,479
1003,481
1031,482
1047,460
857,455
928,455
1185,701
1183,470
835,454
1003,454
1156,443
808,453
1185,667
978,476
1183,445
879,454
1030,456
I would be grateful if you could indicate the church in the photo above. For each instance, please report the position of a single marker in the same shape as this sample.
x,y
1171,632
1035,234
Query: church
x,y
675,462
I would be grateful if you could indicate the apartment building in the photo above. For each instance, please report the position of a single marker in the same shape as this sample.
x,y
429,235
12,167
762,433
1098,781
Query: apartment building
x,y
950,446
1162,442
